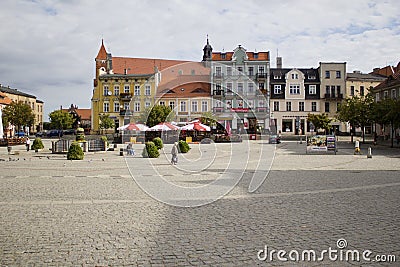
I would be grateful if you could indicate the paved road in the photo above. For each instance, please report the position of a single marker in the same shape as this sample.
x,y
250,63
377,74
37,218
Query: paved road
x,y
55,212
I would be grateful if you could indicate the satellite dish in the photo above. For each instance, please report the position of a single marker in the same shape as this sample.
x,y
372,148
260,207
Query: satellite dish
x,y
109,93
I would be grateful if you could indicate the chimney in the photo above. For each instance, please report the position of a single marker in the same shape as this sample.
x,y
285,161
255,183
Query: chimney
x,y
279,62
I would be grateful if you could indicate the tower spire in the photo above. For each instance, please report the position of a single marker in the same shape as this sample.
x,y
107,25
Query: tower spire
x,y
207,51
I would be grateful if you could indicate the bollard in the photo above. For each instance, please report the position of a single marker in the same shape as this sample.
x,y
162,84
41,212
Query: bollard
x,y
121,151
369,154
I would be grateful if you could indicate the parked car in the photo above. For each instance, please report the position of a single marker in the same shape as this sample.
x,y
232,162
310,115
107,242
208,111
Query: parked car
x,y
54,133
20,134
40,134
69,131
274,139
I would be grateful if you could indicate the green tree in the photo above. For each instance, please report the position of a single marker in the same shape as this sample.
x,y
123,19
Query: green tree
x,y
208,118
387,112
18,114
320,121
356,111
106,122
154,115
61,120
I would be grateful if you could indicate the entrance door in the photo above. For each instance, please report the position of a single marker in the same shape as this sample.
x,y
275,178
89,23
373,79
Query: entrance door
x,y
252,126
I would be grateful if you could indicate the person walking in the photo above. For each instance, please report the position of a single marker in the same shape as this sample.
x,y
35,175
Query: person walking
x,y
27,143
174,152
357,147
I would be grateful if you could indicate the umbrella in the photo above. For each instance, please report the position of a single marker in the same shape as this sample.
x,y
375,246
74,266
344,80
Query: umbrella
x,y
163,126
133,127
196,126
228,128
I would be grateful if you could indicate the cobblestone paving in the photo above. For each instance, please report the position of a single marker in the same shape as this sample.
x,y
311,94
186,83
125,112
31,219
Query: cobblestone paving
x,y
55,212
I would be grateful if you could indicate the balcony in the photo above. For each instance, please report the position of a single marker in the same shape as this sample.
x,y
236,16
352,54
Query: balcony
x,y
261,76
125,112
125,96
334,96
219,92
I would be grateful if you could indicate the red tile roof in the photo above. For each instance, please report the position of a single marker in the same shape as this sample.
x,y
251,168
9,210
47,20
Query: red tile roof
x,y
188,90
141,65
84,113
228,56
4,100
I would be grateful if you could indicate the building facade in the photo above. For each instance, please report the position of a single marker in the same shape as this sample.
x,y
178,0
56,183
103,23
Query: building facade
x,y
294,94
124,87
32,101
239,88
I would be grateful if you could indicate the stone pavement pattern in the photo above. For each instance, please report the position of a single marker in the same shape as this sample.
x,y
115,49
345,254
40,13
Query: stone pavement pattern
x,y
55,212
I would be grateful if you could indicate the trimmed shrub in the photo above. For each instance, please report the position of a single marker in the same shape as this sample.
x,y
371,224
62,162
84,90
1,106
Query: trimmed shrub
x,y
158,142
75,152
37,144
150,150
183,146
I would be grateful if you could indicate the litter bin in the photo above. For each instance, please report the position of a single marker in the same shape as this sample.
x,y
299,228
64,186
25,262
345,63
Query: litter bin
x,y
253,136
121,151
9,148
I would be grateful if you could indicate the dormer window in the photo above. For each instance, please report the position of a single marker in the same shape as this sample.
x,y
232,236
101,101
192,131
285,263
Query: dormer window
x,y
255,55
295,76
223,56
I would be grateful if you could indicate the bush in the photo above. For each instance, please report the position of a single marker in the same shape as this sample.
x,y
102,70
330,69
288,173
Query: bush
x,y
150,150
37,144
183,147
158,142
75,152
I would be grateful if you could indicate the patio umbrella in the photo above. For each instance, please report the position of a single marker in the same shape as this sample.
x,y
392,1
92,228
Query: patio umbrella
x,y
133,127
196,126
164,126
228,128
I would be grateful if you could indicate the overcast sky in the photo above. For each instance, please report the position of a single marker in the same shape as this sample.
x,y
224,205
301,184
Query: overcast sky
x,y
47,48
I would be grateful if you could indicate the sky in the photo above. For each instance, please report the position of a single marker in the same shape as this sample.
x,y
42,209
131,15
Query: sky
x,y
47,47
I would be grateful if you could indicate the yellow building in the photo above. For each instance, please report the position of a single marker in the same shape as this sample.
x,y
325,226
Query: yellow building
x,y
359,84
124,87
31,100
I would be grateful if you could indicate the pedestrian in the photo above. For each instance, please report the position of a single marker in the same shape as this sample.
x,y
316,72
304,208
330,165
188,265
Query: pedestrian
x,y
27,143
174,153
357,147
130,150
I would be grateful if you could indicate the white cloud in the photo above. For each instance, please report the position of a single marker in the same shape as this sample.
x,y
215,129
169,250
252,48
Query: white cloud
x,y
48,47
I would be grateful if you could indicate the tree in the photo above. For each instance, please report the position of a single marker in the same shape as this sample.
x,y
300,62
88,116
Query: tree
x,y
387,112
208,118
18,114
156,114
60,120
106,122
320,121
356,111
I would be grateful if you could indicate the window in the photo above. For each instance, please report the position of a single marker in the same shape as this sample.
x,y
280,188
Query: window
x,y
105,89
277,76
294,89
183,106
137,107
240,88
289,106
261,70
194,106
352,90
172,104
218,86
377,97
333,90
295,76
106,107
193,72
218,71
313,106
261,86
311,76
147,90
277,89
385,94
137,90
180,72
327,74
250,103
251,88
362,91
240,70
276,106
301,106
204,106
126,106
127,88
116,89
161,103
261,104
394,93
147,104
328,89
338,89
312,90
327,107
229,87
255,55
251,71
116,107
338,74
223,56
229,71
